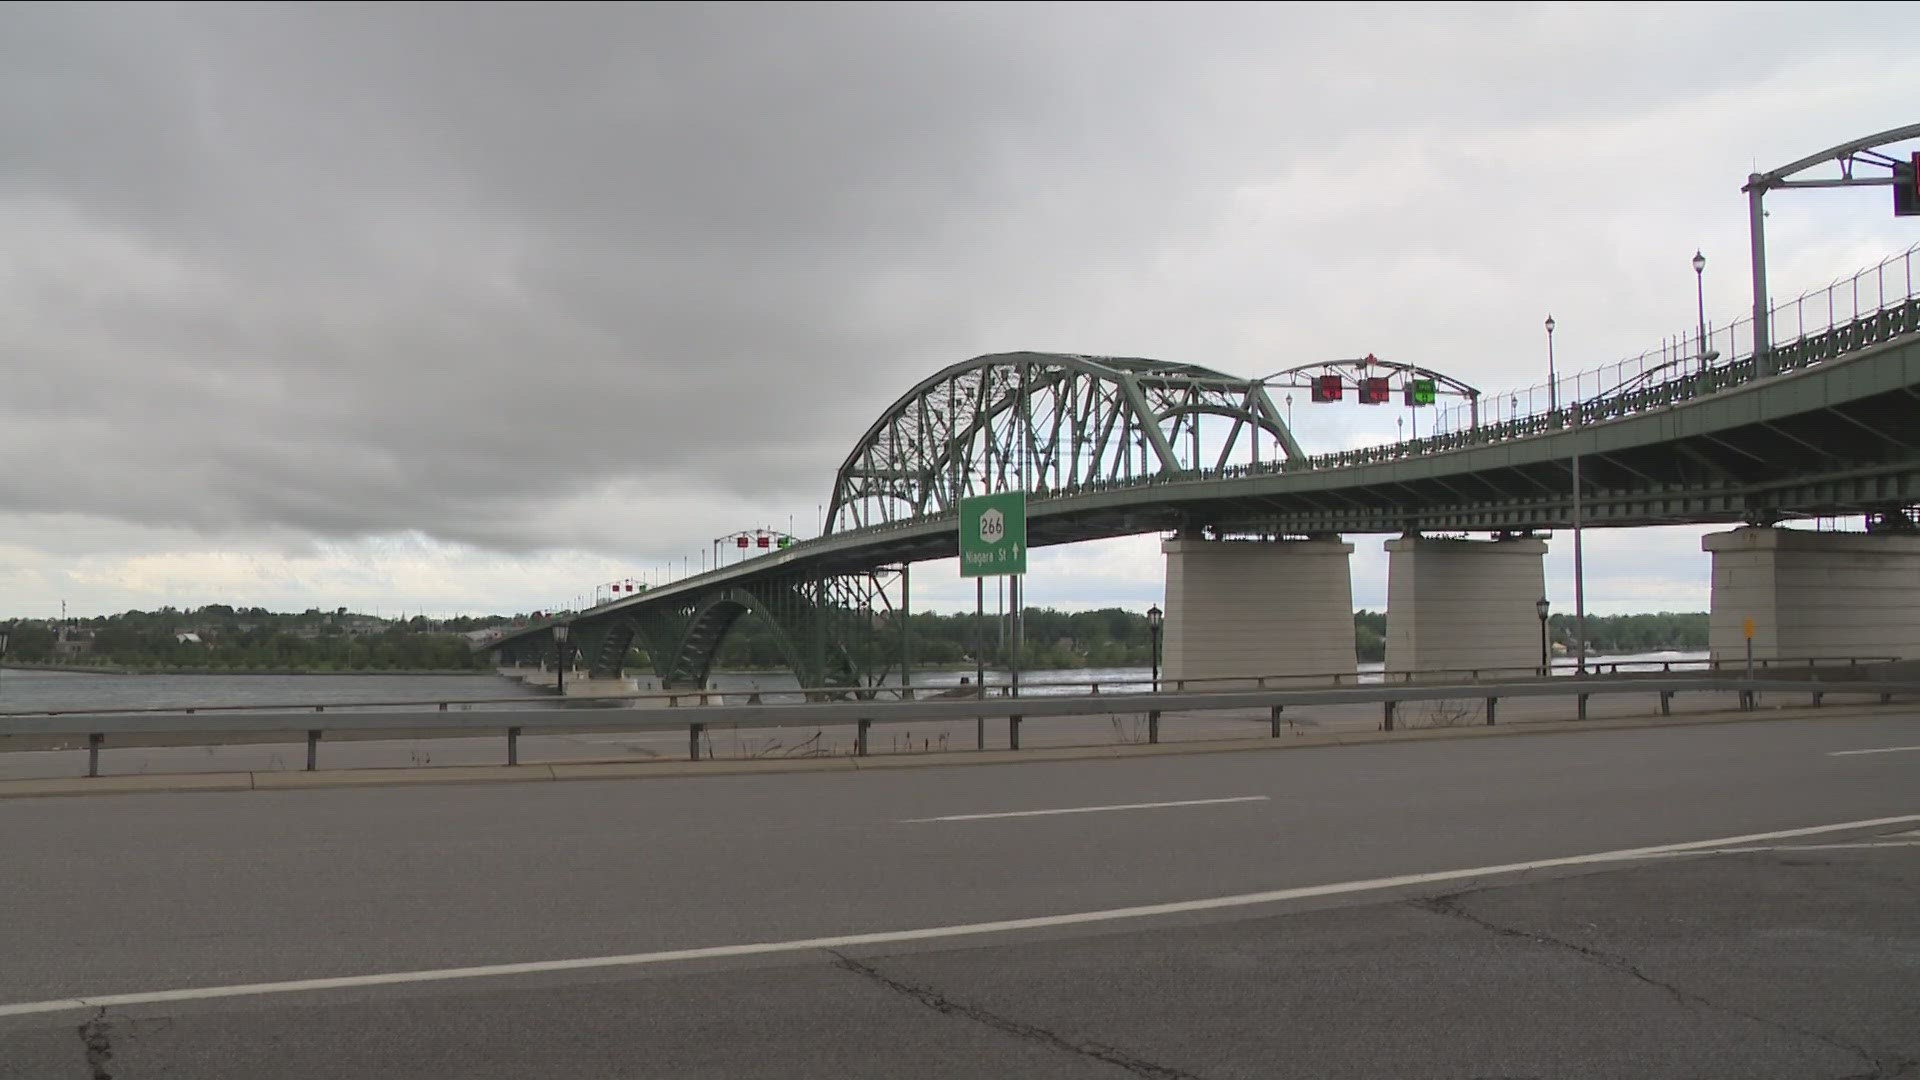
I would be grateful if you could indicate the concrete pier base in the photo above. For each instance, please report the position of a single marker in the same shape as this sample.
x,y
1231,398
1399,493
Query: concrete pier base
x,y
1814,594
1464,604
1238,608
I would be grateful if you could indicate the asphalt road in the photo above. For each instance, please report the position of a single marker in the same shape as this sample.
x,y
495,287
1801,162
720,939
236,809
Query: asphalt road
x,y
1748,963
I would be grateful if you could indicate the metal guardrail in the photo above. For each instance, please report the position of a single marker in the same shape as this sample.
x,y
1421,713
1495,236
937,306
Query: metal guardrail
x,y
862,715
998,691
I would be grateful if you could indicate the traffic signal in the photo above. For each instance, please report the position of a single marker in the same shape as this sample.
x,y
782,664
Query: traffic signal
x,y
1420,392
1375,391
1327,388
1906,187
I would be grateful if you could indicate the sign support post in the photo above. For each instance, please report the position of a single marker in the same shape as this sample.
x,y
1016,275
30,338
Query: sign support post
x,y
993,543
1746,696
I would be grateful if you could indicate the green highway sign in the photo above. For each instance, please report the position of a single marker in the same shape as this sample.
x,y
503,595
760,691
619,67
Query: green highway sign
x,y
993,535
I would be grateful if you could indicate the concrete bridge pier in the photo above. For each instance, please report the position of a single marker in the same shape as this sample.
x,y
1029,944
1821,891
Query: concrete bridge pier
x,y
1814,594
1257,607
1464,604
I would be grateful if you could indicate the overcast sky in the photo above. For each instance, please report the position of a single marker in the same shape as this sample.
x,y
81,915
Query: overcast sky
x,y
471,308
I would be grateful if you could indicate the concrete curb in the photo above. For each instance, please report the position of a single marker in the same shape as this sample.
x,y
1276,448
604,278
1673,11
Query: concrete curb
x,y
640,770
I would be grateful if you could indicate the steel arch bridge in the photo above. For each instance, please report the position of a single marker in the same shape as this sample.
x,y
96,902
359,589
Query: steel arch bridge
x,y
1048,422
1113,447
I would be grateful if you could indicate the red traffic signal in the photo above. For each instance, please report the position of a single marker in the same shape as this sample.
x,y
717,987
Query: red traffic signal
x,y
1327,388
1374,391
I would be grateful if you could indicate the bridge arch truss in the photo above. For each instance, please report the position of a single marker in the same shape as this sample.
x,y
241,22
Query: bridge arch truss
x,y
1051,422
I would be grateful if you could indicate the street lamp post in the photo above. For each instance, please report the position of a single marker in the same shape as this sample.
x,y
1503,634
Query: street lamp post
x,y
5,632
1155,617
1700,296
1553,383
1540,608
1579,571
560,656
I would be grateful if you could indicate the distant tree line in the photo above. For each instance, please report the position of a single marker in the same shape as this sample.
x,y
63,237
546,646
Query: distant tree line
x,y
254,638
221,637
1619,634
1113,637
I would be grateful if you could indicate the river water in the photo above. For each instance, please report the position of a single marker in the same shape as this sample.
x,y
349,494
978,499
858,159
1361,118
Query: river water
x,y
32,691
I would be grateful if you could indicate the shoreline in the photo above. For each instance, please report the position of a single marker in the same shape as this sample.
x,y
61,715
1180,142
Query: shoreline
x,y
100,669
90,669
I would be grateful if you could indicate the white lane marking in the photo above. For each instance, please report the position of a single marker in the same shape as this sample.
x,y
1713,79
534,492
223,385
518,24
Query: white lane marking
x,y
1790,847
1086,809
892,937
1876,750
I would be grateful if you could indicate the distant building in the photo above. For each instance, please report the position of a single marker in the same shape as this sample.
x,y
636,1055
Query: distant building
x,y
71,642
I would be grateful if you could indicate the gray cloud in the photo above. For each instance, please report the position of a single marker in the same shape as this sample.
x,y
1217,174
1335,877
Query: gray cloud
x,y
618,277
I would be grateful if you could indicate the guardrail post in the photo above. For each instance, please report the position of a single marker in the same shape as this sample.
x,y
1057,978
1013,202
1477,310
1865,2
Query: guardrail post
x,y
1583,706
1387,718
1666,703
1276,711
1491,703
513,746
93,753
861,727
1886,699
1153,726
313,747
693,740
1817,695
1013,733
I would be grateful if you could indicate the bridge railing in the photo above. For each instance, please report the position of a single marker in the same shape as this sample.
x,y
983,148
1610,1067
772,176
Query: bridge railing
x,y
1631,398
1886,285
863,715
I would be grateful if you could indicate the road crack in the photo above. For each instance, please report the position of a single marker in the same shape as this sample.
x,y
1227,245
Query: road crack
x,y
97,1036
1449,905
939,1003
